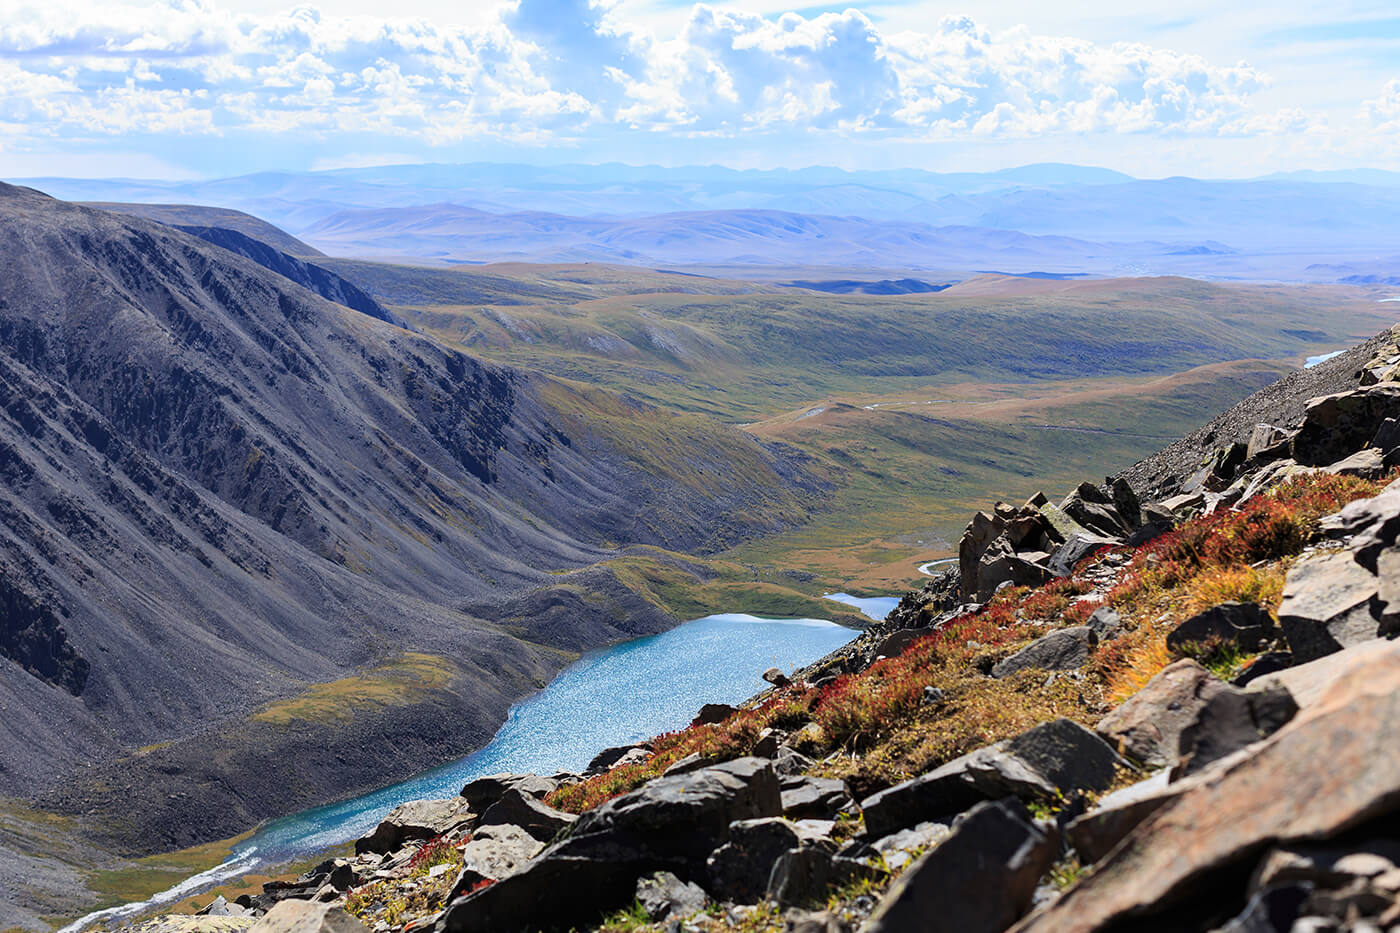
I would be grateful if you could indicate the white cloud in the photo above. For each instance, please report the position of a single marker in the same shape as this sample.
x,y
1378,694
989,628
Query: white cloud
x,y
535,71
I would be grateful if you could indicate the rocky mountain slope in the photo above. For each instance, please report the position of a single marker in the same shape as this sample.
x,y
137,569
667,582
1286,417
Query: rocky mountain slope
x,y
237,515
1172,708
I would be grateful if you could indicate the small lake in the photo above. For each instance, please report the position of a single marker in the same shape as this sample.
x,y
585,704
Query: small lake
x,y
626,693
872,607
1321,358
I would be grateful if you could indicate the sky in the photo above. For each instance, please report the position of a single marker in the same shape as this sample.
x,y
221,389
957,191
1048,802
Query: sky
x,y
199,88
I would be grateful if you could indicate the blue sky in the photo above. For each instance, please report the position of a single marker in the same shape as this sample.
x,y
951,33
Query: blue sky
x,y
195,88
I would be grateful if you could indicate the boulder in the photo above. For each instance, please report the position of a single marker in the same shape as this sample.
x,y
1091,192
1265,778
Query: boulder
x,y
537,818
768,742
669,824
1230,721
1095,510
789,761
812,921
609,757
893,644
417,819
738,870
804,876
1368,463
1387,437
495,852
1105,623
664,896
1335,426
307,917
1055,759
980,879
1004,567
1246,625
1147,727
1374,524
1077,546
713,714
219,907
1064,650
1336,766
1328,605
484,791
814,797
692,762
1266,441
899,849
776,677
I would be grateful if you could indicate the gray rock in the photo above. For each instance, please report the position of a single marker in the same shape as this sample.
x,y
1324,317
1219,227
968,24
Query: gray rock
x,y
1231,720
1053,759
768,743
997,568
1387,436
1077,546
1095,509
803,877
1337,425
534,816
776,677
814,797
663,896
1105,623
417,819
1368,462
1246,625
1066,649
1327,605
713,713
307,917
669,824
738,870
893,644
484,791
692,762
1327,865
608,757
980,879
219,907
899,849
1147,727
932,696
789,761
1264,437
495,852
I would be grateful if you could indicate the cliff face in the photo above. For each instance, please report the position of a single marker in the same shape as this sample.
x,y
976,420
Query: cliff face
x,y
220,488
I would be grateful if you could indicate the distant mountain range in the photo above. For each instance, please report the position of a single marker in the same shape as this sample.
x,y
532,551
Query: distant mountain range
x,y
1037,218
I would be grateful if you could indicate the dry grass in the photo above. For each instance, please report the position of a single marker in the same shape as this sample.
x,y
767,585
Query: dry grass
x,y
403,681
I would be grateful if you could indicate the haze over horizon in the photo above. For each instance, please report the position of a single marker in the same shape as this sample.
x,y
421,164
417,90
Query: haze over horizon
x,y
188,89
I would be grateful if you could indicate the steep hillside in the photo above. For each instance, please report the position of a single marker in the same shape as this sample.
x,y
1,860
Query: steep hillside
x,y
221,490
199,215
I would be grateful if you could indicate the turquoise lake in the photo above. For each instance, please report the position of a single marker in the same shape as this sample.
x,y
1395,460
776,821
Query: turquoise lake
x,y
625,693
631,691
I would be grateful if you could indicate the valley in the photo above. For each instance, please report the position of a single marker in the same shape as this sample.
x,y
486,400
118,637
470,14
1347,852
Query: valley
x,y
543,459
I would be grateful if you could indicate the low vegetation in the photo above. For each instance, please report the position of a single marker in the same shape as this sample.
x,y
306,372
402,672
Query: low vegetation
x,y
880,726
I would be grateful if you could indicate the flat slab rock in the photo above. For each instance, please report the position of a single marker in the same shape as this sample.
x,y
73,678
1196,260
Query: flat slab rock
x,y
417,819
307,917
1063,650
1053,759
1275,794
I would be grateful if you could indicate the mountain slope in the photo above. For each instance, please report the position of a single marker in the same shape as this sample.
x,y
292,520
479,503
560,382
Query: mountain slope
x,y
196,215
221,490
